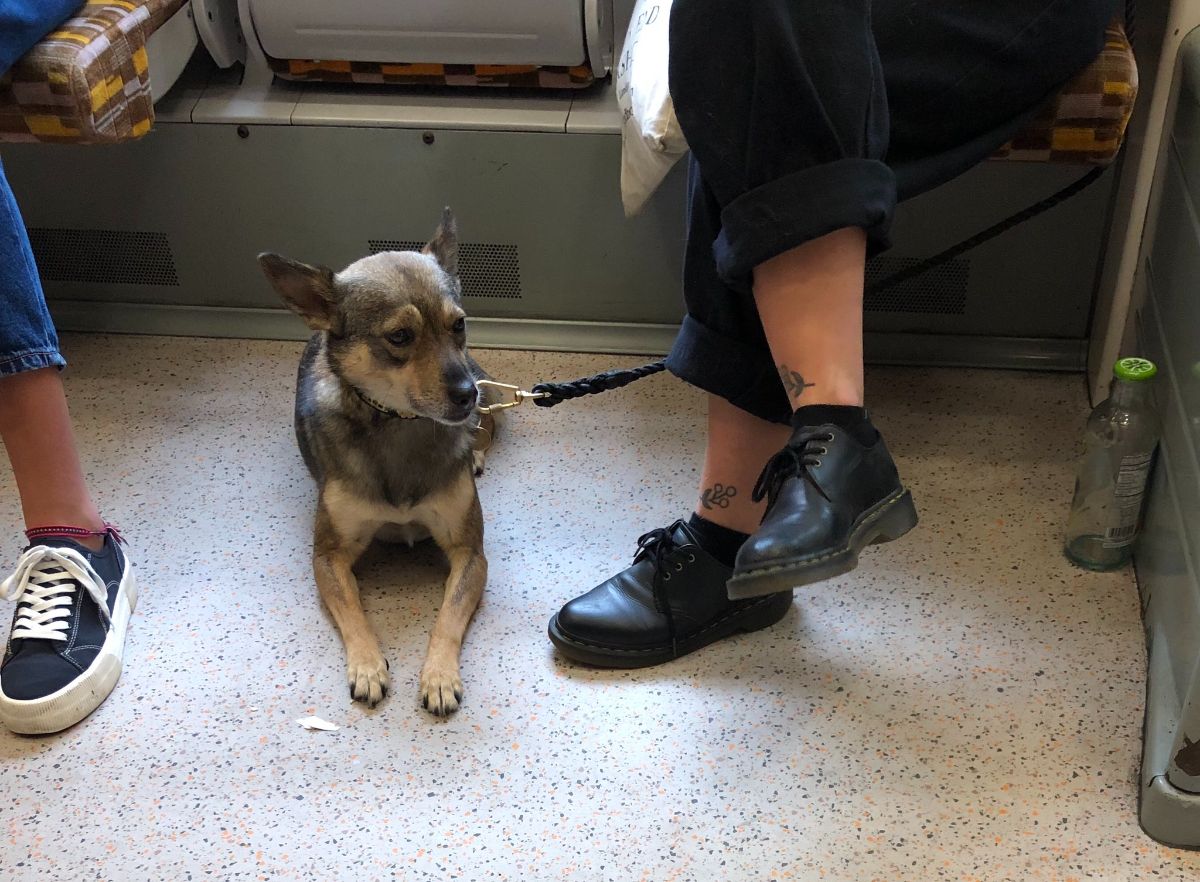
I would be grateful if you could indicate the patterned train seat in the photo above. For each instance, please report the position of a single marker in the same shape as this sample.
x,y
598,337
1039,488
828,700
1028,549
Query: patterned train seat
x,y
88,81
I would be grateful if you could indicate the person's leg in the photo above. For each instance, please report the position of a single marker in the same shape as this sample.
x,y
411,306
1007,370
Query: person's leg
x,y
789,129
739,445
788,135
747,409
810,300
834,489
37,433
785,107
809,71
34,423
673,599
789,109
751,397
74,592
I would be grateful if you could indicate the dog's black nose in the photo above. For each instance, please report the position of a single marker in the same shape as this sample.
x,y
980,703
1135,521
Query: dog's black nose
x,y
463,395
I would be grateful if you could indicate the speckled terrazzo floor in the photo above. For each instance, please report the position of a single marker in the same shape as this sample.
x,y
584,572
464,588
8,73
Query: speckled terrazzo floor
x,y
965,706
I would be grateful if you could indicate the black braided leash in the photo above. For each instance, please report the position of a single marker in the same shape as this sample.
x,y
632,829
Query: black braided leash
x,y
556,393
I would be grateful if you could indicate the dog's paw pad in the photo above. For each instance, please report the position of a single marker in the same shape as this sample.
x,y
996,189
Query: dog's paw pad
x,y
441,692
368,679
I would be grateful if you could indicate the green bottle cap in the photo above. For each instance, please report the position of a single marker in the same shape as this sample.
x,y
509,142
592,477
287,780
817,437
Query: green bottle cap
x,y
1134,369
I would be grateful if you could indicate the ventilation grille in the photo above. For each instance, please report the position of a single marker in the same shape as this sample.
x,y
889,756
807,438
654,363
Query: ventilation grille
x,y
104,257
941,290
485,269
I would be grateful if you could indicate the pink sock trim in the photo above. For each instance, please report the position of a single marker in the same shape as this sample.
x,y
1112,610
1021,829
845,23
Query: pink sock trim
x,y
62,531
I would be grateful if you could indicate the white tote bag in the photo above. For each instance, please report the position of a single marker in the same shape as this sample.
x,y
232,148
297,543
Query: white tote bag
x,y
652,141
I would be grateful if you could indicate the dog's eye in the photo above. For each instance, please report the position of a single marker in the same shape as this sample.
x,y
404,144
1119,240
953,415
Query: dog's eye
x,y
401,337
459,326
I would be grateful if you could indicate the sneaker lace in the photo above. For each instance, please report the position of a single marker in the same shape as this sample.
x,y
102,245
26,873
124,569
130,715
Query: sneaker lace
x,y
795,459
44,586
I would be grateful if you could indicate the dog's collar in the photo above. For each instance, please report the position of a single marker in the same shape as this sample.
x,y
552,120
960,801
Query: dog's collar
x,y
383,409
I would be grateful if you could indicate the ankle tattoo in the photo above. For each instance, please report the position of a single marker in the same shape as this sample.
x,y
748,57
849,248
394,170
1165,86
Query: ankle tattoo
x,y
717,496
793,382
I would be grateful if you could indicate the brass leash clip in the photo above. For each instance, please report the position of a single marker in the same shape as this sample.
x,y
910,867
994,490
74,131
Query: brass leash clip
x,y
516,394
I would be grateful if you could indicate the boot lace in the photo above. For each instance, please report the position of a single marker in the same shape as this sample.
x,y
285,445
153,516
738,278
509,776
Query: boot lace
x,y
796,459
659,546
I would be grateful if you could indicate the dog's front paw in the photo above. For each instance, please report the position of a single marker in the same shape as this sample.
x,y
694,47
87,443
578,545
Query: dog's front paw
x,y
367,673
441,691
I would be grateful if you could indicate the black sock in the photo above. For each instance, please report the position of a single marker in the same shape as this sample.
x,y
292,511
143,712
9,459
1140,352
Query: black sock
x,y
721,542
854,420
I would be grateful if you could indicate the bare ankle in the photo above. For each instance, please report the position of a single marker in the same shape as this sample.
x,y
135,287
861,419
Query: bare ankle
x,y
830,387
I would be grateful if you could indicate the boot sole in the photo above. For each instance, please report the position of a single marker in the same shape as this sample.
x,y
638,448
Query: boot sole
x,y
75,701
884,522
753,617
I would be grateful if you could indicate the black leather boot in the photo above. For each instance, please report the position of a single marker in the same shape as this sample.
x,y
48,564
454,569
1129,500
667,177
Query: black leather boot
x,y
670,602
828,497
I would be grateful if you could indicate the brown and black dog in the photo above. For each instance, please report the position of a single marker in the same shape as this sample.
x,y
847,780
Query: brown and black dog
x,y
388,422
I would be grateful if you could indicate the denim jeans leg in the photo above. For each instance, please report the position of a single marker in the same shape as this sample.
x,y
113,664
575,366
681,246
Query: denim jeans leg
x,y
27,337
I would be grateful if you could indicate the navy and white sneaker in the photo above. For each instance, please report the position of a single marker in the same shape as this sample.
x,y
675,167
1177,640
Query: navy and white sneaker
x,y
68,633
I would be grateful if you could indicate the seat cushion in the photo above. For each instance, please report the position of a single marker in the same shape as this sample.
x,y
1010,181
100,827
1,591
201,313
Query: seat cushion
x,y
1085,122
379,73
87,81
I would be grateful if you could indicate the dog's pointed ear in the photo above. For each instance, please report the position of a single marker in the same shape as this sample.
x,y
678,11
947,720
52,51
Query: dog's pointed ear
x,y
443,247
306,290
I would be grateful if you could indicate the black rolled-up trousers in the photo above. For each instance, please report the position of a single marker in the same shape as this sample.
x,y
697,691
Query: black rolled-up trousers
x,y
809,116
